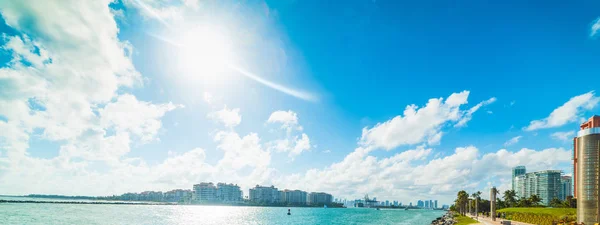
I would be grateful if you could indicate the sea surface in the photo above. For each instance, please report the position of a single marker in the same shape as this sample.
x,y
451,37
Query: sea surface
x,y
32,213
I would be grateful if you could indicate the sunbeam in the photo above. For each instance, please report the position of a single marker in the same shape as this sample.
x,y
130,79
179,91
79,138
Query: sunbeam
x,y
208,54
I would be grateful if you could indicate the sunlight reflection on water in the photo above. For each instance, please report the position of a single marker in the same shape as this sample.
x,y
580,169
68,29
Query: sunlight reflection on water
x,y
181,214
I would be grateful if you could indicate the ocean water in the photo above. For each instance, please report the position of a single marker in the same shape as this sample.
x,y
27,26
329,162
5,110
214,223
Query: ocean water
x,y
30,213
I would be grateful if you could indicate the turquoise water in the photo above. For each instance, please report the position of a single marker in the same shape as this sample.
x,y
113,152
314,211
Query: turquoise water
x,y
25,213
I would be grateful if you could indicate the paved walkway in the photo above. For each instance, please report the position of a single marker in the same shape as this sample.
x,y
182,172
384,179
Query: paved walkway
x,y
488,221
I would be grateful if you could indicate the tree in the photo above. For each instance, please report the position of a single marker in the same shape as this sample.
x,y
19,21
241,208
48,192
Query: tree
x,y
524,202
556,203
570,202
484,205
476,197
510,198
535,200
453,208
461,201
500,204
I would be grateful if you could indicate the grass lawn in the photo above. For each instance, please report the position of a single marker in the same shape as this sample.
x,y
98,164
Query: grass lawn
x,y
464,220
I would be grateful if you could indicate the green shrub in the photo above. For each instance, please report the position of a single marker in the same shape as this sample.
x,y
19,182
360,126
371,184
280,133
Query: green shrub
x,y
541,216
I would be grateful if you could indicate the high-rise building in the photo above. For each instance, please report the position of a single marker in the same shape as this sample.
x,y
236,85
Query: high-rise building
x,y
387,203
262,194
586,166
545,184
566,188
295,197
517,171
229,192
435,204
430,204
205,192
426,204
319,198
420,204
519,185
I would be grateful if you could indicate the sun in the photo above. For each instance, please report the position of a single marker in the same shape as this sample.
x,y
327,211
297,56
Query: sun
x,y
205,53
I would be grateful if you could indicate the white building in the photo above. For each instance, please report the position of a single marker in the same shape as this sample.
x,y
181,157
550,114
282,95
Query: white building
x,y
545,184
205,192
262,194
228,192
295,197
178,195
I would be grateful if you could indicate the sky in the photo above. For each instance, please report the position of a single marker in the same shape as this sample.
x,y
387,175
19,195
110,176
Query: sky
x,y
401,100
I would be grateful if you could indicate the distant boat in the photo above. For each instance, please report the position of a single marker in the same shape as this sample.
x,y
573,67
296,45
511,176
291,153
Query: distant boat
x,y
406,208
377,208
325,206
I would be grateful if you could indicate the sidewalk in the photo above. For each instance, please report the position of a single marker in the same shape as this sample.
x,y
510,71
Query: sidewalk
x,y
488,221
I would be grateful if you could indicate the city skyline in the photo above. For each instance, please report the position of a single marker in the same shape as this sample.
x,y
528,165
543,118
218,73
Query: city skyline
x,y
367,97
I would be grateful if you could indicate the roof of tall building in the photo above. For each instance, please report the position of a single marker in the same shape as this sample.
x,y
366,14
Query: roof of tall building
x,y
592,122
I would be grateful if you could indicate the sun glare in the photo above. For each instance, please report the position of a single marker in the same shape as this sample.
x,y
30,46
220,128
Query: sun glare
x,y
205,53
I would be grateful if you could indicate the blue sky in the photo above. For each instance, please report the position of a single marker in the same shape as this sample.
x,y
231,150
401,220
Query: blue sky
x,y
400,100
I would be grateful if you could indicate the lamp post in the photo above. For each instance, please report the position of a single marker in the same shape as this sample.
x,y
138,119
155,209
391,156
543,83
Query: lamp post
x,y
493,203
469,202
476,208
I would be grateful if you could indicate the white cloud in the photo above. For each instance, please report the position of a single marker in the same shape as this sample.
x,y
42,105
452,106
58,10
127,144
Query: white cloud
x,y
468,115
563,136
228,117
71,75
288,119
403,175
327,151
96,145
569,112
71,69
595,27
240,152
162,10
184,170
417,125
293,144
512,141
127,114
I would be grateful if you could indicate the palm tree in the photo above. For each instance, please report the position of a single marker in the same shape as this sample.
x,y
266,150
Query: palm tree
x,y
535,200
500,204
461,200
567,202
524,202
510,198
476,196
